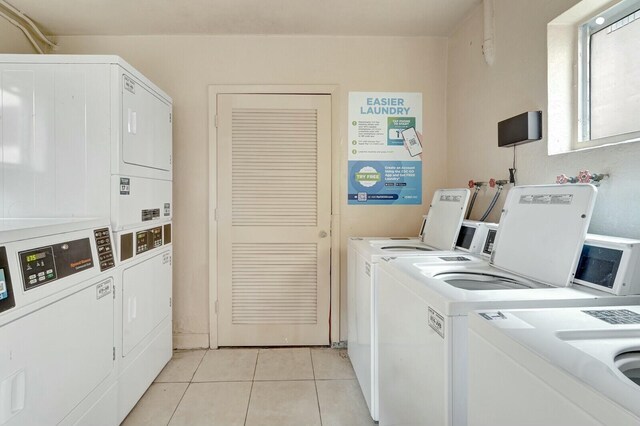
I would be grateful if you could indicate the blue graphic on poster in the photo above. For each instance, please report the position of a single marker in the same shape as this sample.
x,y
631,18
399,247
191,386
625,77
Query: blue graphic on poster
x,y
385,148
385,182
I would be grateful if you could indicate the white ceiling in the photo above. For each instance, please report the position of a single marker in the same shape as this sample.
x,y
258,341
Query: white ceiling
x,y
317,17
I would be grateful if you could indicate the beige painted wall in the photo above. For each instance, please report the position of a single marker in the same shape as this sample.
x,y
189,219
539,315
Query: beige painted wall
x,y
185,65
12,40
478,96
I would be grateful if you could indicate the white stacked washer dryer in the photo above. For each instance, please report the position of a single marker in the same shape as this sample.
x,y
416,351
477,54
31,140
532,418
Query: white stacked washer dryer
x,y
91,136
57,322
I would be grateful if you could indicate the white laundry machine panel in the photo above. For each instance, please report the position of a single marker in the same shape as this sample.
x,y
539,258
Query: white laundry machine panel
x,y
144,316
443,295
571,366
69,124
58,344
144,200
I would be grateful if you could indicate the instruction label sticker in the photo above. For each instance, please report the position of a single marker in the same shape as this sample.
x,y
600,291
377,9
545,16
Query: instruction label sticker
x,y
167,209
103,289
129,84
557,199
125,186
436,322
382,170
166,258
451,198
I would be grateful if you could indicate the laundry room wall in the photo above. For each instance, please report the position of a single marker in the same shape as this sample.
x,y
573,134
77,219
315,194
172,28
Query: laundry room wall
x,y
479,95
185,65
12,40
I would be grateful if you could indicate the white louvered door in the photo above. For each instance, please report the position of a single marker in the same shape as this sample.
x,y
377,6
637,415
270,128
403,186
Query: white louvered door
x,y
274,218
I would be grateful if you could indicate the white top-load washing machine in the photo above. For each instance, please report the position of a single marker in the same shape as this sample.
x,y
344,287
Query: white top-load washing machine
x,y
423,306
568,366
563,366
84,136
57,322
439,231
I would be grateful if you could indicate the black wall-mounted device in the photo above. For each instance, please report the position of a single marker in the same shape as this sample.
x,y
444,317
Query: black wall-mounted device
x,y
523,128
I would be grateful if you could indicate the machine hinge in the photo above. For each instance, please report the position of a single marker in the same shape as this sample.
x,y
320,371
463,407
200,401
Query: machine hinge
x,y
169,117
216,306
114,353
170,159
170,301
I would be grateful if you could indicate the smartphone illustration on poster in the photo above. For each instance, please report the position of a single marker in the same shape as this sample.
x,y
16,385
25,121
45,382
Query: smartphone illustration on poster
x,y
412,141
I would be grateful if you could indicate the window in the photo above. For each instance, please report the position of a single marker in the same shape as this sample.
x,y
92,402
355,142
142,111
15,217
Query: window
x,y
609,76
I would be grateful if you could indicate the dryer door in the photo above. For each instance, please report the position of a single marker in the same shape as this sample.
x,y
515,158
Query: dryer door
x,y
146,298
146,133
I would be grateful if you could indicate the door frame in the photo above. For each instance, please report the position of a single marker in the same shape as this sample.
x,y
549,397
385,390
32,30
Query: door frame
x,y
334,92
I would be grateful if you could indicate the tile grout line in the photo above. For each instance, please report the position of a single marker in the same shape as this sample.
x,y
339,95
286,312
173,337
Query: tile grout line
x,y
253,379
199,364
178,404
315,385
187,388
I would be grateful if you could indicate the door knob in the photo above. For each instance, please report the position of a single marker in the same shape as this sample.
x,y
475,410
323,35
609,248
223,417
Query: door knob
x,y
323,234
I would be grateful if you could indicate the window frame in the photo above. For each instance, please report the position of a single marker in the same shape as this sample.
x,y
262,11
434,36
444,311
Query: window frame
x,y
585,31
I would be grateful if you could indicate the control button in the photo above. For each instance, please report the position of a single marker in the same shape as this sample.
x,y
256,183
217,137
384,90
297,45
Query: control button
x,y
40,278
107,240
40,274
105,233
33,281
49,276
32,277
107,249
49,271
100,249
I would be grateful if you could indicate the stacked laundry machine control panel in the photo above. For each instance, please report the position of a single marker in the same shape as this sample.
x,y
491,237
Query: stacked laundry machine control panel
x,y
105,250
43,265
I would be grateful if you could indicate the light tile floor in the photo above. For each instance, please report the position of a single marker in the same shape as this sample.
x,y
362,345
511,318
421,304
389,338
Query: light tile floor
x,y
226,387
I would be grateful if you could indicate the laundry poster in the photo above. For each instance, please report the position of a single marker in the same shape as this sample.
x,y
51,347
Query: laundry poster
x,y
385,148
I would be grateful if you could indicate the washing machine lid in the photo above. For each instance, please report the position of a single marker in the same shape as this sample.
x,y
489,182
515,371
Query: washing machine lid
x,y
444,218
542,230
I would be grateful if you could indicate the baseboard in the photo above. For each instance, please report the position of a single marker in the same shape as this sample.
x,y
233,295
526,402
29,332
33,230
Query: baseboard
x,y
190,340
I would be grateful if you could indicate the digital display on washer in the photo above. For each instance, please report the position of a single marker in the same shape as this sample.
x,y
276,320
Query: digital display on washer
x,y
598,265
465,237
4,291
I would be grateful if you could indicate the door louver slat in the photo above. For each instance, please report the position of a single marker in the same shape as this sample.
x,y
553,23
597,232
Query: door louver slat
x,y
274,283
274,157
